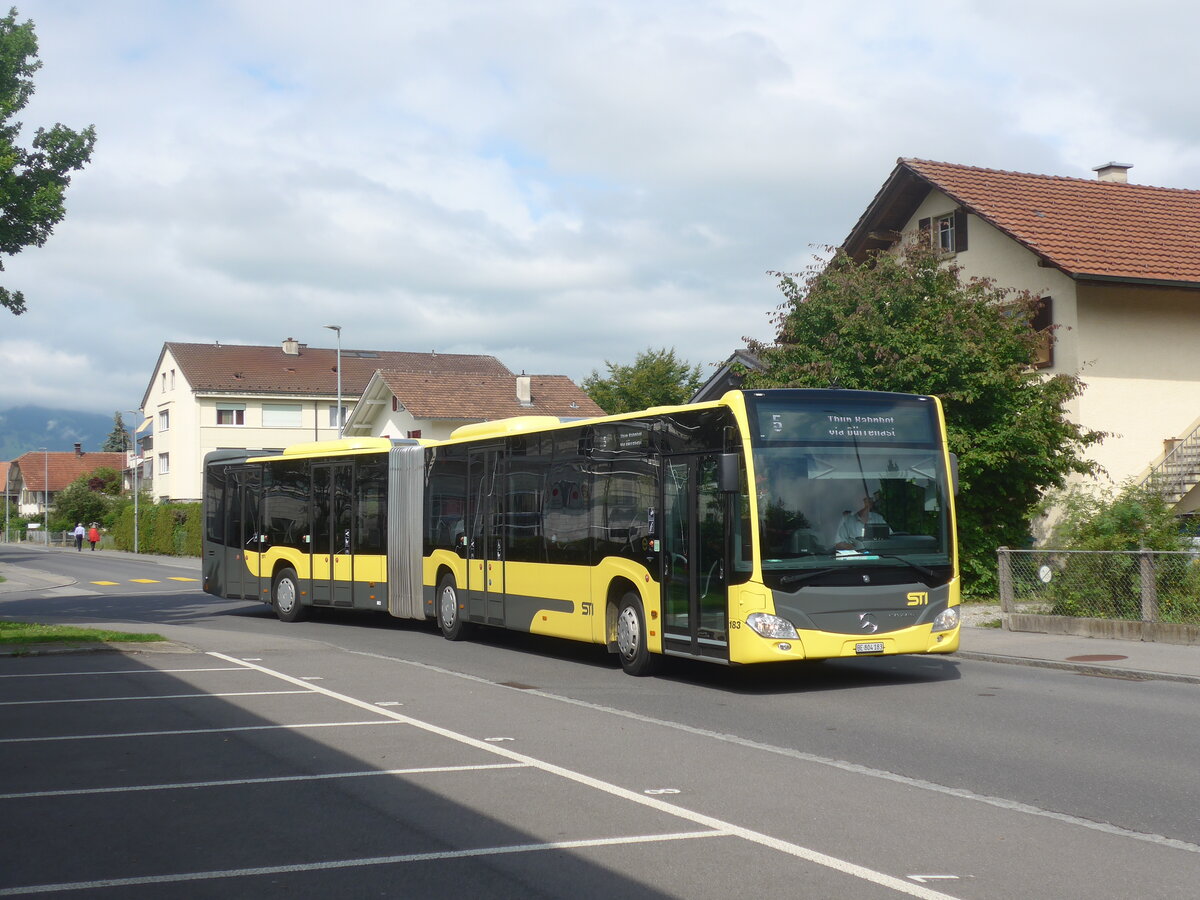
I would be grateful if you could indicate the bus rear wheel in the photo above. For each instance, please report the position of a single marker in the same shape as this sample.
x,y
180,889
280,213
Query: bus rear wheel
x,y
636,658
285,596
449,615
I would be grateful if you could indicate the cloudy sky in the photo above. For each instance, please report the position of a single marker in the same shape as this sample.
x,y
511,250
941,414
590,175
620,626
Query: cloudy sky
x,y
556,183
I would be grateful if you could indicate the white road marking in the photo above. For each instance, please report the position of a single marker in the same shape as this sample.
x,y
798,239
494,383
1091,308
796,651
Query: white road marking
x,y
162,697
718,826
125,672
355,863
129,789
188,731
844,765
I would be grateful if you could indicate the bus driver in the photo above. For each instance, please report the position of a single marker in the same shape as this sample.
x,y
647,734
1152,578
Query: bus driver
x,y
854,525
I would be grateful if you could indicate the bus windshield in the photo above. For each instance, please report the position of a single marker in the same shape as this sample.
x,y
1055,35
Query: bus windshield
x,y
846,481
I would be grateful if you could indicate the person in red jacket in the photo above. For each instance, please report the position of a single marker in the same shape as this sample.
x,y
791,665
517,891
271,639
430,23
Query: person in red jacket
x,y
94,536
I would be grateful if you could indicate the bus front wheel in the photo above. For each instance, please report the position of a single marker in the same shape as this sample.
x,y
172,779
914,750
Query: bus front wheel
x,y
449,615
285,596
636,658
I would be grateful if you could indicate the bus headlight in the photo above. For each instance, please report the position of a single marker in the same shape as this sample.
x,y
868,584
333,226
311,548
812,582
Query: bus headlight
x,y
946,620
770,626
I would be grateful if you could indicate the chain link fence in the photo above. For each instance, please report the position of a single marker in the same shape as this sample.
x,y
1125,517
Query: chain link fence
x,y
1139,585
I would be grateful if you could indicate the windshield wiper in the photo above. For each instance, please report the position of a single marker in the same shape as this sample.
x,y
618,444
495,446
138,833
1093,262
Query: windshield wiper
x,y
928,573
805,576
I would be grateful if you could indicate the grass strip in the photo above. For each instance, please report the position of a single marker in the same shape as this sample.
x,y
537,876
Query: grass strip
x,y
32,633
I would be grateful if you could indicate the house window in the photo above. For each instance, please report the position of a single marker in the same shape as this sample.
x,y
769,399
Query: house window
x,y
416,433
333,417
282,415
231,414
164,381
172,379
164,420
164,463
947,233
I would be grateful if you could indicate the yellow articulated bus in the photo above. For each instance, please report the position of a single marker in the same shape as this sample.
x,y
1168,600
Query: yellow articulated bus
x,y
766,526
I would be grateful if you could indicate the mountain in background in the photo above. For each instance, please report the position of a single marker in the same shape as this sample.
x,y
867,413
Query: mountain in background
x,y
25,428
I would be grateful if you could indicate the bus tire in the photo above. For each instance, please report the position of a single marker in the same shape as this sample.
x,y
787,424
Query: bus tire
x,y
449,615
636,658
285,596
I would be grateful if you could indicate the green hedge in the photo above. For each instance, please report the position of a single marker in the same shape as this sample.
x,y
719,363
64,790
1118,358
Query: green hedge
x,y
166,529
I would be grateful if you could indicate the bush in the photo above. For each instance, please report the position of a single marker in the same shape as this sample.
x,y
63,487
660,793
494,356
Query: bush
x,y
167,529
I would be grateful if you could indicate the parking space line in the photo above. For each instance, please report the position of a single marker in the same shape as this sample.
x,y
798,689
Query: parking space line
x,y
124,672
356,863
837,864
238,782
189,731
162,697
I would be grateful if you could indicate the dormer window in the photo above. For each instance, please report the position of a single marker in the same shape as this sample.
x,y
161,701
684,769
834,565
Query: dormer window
x,y
948,232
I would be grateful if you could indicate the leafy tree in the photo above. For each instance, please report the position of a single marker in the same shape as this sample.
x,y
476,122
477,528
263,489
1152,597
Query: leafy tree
x,y
907,322
34,181
656,378
118,440
77,502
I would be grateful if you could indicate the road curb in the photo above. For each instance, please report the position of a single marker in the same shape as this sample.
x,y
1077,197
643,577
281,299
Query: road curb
x,y
1081,668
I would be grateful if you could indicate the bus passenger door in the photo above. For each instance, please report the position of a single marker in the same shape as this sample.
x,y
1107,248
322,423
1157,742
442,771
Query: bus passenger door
x,y
695,599
332,520
485,539
243,496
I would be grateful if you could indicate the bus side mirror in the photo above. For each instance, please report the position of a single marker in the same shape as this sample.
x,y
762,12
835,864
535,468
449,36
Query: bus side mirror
x,y
954,473
727,473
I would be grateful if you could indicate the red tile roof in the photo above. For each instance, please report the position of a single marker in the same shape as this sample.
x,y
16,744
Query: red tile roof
x,y
62,468
1086,227
462,395
247,369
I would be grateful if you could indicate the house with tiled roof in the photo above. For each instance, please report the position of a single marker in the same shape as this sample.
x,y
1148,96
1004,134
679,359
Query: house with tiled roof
x,y
36,477
204,397
398,403
1117,266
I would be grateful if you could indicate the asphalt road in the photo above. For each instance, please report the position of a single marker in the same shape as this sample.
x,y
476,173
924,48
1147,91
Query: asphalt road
x,y
559,775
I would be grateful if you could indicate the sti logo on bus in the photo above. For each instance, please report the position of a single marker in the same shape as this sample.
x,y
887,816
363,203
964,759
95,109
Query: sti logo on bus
x,y
918,598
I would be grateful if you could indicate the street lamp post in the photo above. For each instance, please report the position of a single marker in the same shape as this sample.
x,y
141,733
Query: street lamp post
x,y
338,329
7,483
137,464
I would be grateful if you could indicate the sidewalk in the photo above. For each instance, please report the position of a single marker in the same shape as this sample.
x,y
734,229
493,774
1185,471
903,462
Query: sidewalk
x,y
1138,660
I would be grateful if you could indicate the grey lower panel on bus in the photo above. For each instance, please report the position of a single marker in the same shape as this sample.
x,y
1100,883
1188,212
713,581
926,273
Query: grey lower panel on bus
x,y
870,609
519,611
406,489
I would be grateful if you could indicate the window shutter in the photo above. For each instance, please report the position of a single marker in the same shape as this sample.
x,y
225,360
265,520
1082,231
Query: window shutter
x,y
1042,323
924,226
960,230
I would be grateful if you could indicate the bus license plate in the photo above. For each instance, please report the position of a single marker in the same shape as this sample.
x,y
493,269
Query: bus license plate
x,y
869,647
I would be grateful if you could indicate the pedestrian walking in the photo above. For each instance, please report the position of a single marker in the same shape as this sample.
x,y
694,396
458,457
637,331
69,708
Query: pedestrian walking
x,y
94,536
79,532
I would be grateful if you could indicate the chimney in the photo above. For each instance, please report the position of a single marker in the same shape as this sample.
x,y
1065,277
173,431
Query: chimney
x,y
1113,171
79,449
524,397
291,347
